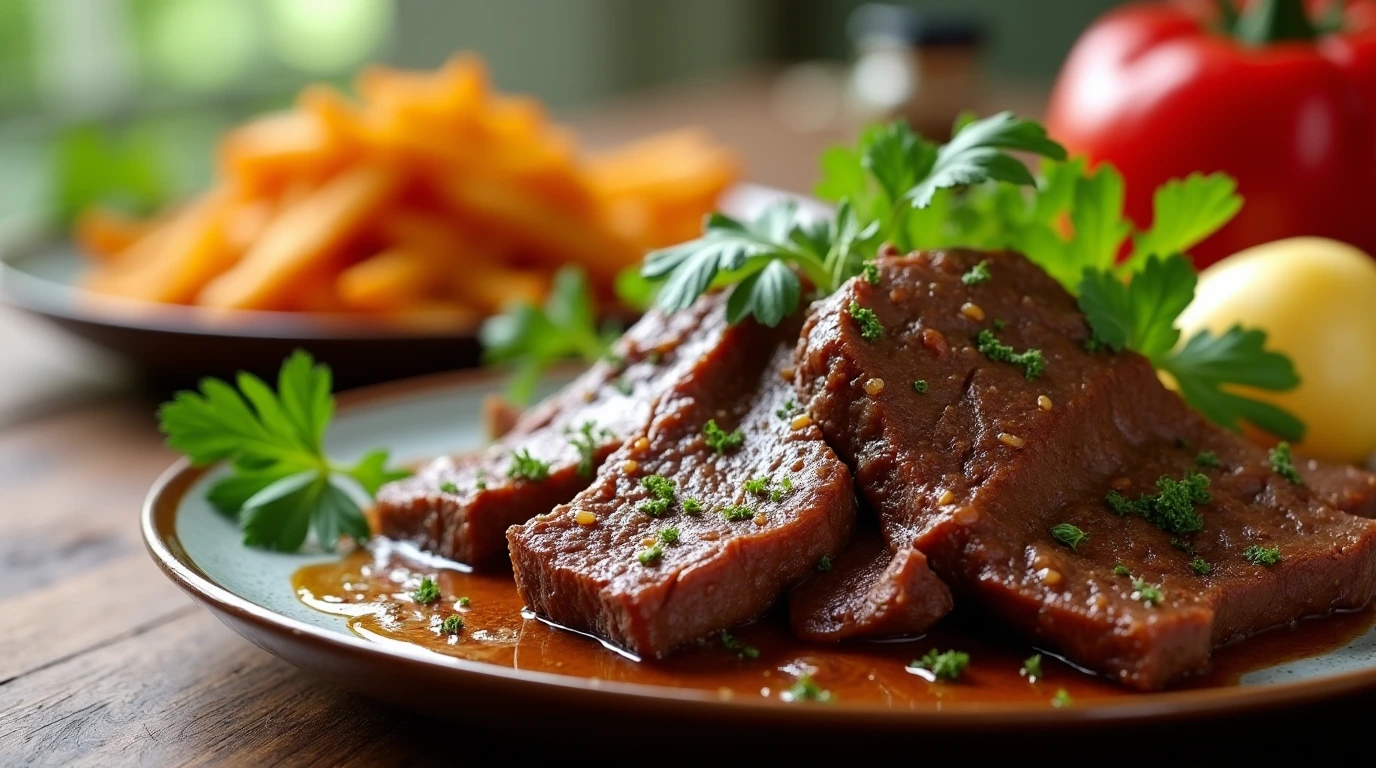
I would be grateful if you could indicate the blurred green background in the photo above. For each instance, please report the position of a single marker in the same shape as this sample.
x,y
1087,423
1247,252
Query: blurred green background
x,y
132,93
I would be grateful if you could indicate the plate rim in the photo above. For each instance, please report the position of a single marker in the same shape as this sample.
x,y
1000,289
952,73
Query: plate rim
x,y
163,502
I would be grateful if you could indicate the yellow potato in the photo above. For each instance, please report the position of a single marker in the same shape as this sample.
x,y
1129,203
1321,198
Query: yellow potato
x,y
1316,300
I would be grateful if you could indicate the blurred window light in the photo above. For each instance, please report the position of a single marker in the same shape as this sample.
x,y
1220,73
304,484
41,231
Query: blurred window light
x,y
200,45
325,36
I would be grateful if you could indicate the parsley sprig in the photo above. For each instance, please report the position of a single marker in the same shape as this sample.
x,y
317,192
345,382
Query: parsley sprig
x,y
531,338
282,484
877,186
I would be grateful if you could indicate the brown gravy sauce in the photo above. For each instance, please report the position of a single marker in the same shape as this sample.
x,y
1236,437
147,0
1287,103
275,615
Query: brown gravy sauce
x,y
372,588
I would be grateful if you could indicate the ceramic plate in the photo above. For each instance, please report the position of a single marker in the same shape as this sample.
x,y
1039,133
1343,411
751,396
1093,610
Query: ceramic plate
x,y
180,343
251,591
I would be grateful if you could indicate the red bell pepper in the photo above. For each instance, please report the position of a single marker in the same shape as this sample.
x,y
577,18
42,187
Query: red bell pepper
x,y
1280,94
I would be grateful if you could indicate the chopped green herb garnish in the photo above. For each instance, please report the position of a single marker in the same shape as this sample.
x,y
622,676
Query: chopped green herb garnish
x,y
585,441
464,602
757,485
1069,535
1062,699
692,506
1201,566
1208,459
824,564
999,324
1283,464
785,488
869,272
977,274
1172,509
480,483
623,385
448,486
614,359
1183,545
651,556
736,513
1032,362
807,690
1266,556
731,643
1032,668
720,441
669,536
786,412
655,507
870,329
1148,593
920,386
659,487
452,625
943,666
428,592
1121,570
527,467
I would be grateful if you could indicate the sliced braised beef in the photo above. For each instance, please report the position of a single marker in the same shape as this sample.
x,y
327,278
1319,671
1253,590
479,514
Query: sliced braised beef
x,y
723,498
977,423
1344,486
461,506
869,592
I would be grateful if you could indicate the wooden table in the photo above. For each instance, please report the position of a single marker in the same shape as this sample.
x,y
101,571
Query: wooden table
x,y
104,662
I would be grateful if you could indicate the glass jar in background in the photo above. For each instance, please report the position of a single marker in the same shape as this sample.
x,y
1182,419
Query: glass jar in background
x,y
920,66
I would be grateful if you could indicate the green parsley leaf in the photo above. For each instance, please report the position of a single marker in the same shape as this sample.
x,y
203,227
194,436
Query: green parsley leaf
x,y
655,507
281,484
464,602
659,487
977,274
1140,315
1032,668
586,440
1150,594
1201,566
1062,699
719,440
1184,212
1031,360
453,625
1283,464
785,487
920,386
975,154
867,320
1207,367
669,536
1264,556
786,412
805,689
692,507
1121,570
947,666
757,485
1096,215
736,513
651,556
731,643
428,592
824,564
1172,508
531,338
1069,535
448,486
527,467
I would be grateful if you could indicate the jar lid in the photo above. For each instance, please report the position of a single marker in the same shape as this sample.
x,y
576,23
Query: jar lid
x,y
909,26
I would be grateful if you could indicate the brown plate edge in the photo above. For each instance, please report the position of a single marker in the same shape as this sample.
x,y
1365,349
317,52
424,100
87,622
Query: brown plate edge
x,y
270,631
